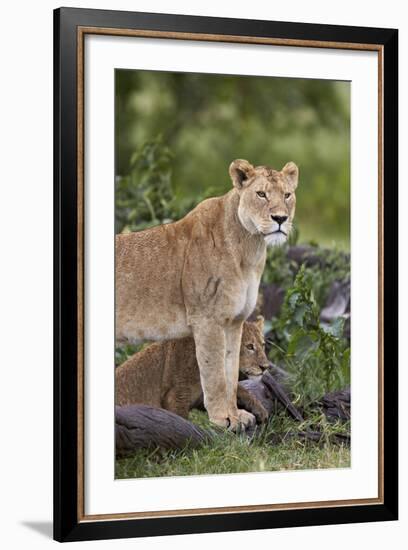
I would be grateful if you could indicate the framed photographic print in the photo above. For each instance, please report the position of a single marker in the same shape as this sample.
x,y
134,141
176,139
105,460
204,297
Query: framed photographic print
x,y
225,274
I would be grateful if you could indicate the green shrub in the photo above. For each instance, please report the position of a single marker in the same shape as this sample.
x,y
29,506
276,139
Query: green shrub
x,y
317,356
145,196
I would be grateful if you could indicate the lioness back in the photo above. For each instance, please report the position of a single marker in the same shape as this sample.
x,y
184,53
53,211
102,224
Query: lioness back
x,y
146,264
149,269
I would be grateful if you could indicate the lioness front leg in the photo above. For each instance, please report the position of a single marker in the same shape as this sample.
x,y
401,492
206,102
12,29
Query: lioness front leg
x,y
233,335
210,351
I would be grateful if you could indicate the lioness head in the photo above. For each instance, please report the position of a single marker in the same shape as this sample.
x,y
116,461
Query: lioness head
x,y
267,198
252,358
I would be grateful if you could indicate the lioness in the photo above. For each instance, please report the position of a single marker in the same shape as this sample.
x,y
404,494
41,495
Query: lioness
x,y
166,375
200,276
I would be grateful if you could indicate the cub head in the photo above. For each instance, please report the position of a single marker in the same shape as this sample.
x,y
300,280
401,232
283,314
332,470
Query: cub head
x,y
267,198
252,357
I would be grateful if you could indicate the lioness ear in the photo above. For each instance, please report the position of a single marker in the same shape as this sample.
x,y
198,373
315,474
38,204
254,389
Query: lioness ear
x,y
291,172
240,171
260,323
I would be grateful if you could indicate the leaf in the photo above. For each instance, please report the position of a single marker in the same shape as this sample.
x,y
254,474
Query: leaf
x,y
299,314
303,344
293,298
335,328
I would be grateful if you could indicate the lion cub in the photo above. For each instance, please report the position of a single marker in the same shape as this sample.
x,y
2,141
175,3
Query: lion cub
x,y
166,374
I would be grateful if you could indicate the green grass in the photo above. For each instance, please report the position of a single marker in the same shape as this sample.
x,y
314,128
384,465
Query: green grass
x,y
268,450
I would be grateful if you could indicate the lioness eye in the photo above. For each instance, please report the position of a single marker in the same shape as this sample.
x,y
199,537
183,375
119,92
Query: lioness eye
x,y
250,347
287,195
261,194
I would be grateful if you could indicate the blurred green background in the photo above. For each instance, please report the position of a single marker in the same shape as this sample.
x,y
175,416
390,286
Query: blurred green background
x,y
176,134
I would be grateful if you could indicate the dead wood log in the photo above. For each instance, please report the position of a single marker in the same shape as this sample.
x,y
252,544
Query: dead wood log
x,y
143,427
269,391
309,255
337,404
272,300
304,254
338,305
313,436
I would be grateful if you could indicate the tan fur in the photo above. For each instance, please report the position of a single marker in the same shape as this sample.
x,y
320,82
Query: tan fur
x,y
200,276
166,374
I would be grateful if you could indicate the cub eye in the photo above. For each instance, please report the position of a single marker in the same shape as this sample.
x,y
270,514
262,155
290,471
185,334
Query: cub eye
x,y
261,194
250,347
287,195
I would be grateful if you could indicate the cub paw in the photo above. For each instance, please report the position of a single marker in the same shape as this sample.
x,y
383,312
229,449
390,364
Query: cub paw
x,y
246,419
261,414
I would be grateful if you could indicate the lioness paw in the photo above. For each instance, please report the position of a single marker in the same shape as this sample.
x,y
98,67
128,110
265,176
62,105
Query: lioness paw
x,y
242,421
222,422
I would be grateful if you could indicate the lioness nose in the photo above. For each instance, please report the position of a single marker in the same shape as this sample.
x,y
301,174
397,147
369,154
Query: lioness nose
x,y
279,219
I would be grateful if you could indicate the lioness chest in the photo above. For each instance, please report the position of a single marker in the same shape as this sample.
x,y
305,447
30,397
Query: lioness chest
x,y
246,296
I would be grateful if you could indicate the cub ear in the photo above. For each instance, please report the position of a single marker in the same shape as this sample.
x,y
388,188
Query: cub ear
x,y
260,323
291,172
240,171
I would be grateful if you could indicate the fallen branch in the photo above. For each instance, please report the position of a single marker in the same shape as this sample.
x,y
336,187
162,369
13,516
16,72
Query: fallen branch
x,y
143,427
310,435
269,391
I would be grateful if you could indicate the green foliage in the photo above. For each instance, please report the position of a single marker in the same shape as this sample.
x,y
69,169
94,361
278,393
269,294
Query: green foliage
x,y
331,264
316,355
145,196
279,269
208,120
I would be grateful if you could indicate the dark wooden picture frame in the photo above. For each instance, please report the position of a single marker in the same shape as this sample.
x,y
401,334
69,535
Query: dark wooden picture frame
x,y
70,27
